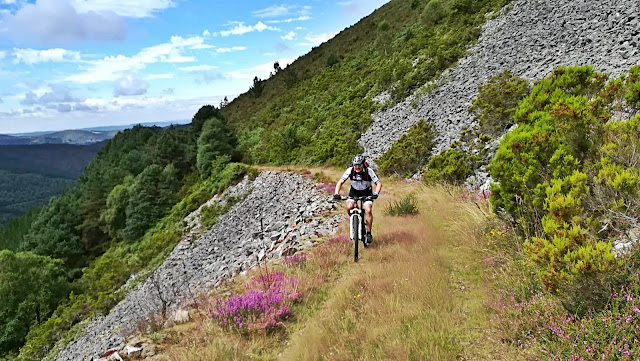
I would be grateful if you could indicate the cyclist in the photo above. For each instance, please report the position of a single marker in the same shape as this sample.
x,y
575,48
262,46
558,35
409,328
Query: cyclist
x,y
361,176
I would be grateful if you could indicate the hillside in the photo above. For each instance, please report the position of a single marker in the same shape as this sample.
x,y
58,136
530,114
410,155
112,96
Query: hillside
x,y
119,254
529,40
315,110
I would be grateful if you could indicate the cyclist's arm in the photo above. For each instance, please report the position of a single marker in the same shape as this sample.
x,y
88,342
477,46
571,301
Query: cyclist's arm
x,y
378,187
375,180
343,179
338,186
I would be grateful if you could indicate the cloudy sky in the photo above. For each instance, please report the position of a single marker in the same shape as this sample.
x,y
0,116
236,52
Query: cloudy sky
x,y
69,64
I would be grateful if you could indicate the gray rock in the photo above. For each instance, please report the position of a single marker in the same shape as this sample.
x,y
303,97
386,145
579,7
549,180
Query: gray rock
x,y
231,246
530,40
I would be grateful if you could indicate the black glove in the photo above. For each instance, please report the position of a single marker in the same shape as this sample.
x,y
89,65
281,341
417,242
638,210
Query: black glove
x,y
337,197
374,195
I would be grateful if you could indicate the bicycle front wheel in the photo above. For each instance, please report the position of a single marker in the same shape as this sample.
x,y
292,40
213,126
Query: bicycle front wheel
x,y
356,237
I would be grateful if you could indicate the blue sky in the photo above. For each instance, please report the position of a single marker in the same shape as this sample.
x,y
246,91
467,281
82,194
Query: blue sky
x,y
69,64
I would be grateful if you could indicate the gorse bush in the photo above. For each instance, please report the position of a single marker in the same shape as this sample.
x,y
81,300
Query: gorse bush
x,y
410,152
451,166
538,323
495,105
404,207
568,180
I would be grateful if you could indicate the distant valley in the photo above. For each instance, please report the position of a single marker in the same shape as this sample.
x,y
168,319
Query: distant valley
x,y
37,166
73,136
78,137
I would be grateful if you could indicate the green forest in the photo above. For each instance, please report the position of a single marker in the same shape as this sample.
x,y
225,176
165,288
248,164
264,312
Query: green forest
x,y
567,176
31,174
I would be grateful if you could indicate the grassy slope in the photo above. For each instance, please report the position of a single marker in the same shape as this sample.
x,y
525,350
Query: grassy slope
x,y
418,293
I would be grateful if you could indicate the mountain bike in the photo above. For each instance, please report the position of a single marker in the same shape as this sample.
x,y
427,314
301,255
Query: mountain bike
x,y
357,228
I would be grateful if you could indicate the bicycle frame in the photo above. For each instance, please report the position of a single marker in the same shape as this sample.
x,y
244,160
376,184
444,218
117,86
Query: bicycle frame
x,y
357,227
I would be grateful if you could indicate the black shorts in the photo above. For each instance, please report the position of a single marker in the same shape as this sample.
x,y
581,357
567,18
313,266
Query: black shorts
x,y
362,193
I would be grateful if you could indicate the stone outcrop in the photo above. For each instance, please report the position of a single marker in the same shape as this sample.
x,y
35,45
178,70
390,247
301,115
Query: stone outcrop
x,y
282,213
530,38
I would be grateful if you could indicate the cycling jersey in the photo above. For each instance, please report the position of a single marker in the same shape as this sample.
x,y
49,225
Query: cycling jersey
x,y
360,181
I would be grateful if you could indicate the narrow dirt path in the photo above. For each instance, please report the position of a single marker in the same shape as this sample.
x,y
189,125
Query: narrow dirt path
x,y
416,294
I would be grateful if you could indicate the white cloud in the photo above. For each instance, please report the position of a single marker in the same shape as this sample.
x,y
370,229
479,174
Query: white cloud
x,y
289,36
272,11
113,67
126,8
57,22
129,85
3,54
198,68
231,49
290,20
32,56
159,76
240,29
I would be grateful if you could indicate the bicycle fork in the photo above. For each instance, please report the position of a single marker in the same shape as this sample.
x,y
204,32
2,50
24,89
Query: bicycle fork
x,y
356,230
355,225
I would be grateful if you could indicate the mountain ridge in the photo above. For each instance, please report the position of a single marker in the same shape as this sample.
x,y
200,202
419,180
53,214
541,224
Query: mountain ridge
x,y
84,136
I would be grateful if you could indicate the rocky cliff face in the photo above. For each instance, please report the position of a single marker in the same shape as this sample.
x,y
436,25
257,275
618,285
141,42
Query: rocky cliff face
x,y
530,38
282,212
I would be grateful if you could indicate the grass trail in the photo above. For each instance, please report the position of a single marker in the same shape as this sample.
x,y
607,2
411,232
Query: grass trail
x,y
417,293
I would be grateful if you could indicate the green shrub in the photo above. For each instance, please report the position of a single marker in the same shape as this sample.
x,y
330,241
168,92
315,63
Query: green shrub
x,y
496,102
569,181
404,207
434,12
451,166
408,154
332,60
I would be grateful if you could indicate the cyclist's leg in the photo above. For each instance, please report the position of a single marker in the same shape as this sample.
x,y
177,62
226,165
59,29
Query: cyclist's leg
x,y
349,204
368,214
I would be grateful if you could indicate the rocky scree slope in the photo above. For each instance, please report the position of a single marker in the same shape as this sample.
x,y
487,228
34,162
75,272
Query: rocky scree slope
x,y
282,213
529,38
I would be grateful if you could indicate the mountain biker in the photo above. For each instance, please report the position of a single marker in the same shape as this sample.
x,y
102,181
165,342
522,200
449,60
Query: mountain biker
x,y
361,176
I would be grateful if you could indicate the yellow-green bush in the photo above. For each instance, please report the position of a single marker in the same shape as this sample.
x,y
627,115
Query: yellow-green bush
x,y
568,180
451,166
410,152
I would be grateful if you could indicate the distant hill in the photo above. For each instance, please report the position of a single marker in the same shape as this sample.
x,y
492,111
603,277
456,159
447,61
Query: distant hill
x,y
84,136
12,140
78,137
54,160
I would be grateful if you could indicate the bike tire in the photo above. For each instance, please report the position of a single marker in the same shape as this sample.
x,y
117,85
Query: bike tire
x,y
356,240
353,228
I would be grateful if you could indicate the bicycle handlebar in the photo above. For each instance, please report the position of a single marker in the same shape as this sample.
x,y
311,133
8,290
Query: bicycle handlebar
x,y
344,198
